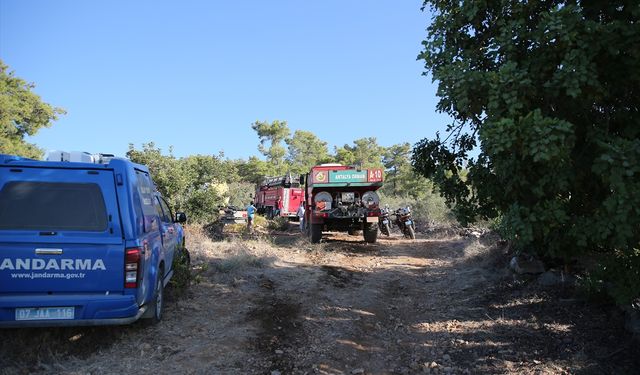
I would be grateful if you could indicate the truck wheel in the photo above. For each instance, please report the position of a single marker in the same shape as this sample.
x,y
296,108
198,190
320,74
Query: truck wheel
x,y
371,232
411,233
315,233
158,300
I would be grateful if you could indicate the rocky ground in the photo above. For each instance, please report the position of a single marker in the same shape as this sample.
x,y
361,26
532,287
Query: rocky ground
x,y
275,304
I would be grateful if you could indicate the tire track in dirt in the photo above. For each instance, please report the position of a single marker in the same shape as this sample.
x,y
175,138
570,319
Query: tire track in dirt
x,y
352,311
279,328
370,324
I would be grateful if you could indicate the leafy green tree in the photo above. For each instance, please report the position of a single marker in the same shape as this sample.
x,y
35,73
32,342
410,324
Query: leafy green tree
x,y
241,193
397,163
273,134
400,178
189,184
22,113
365,153
254,170
170,179
305,151
549,92
203,169
202,197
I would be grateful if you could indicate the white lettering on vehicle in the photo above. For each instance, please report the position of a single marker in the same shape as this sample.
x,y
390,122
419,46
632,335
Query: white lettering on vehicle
x,y
83,264
48,275
53,264
6,264
66,264
37,264
22,264
350,176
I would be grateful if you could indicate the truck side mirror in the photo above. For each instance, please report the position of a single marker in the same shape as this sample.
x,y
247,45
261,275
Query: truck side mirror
x,y
301,180
181,217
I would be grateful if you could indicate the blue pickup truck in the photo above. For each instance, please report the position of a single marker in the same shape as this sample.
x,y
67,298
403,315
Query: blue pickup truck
x,y
83,243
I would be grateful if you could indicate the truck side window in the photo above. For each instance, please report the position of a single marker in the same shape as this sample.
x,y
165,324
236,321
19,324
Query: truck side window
x,y
159,210
146,199
166,214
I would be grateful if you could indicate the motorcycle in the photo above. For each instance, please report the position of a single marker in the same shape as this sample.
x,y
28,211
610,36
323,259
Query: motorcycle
x,y
384,221
404,221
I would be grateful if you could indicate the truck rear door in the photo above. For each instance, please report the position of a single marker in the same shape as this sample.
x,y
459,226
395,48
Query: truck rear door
x,y
60,231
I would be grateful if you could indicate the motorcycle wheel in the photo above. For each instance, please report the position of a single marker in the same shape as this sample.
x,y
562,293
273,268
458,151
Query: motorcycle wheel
x,y
411,233
385,229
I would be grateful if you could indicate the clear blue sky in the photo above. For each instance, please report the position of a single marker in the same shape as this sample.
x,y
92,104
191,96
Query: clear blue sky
x,y
196,74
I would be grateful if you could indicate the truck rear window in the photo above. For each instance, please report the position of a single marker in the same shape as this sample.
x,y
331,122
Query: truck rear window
x,y
27,205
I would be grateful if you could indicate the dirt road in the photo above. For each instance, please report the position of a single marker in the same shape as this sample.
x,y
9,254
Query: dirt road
x,y
279,305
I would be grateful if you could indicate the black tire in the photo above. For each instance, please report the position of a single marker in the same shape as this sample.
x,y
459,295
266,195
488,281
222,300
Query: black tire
x,y
156,306
411,233
315,233
370,232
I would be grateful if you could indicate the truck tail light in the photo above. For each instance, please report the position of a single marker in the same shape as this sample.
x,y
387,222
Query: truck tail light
x,y
132,274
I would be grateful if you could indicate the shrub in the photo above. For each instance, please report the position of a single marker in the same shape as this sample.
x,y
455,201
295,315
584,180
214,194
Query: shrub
x,y
181,271
278,223
429,209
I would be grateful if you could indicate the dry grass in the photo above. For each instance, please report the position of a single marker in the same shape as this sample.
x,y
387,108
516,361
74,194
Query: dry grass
x,y
227,256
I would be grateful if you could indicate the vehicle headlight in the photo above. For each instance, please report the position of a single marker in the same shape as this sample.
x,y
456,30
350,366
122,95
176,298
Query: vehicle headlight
x,y
323,200
370,199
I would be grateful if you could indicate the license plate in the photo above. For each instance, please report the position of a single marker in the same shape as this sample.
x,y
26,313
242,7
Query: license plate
x,y
372,219
45,313
408,222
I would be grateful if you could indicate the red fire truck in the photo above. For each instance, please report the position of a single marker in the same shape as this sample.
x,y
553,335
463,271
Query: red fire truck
x,y
279,196
342,198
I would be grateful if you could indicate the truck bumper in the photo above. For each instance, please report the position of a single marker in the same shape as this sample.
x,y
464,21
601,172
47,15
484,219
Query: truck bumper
x,y
89,310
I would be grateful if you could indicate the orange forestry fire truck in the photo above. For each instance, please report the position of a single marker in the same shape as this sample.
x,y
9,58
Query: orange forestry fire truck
x,y
279,196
